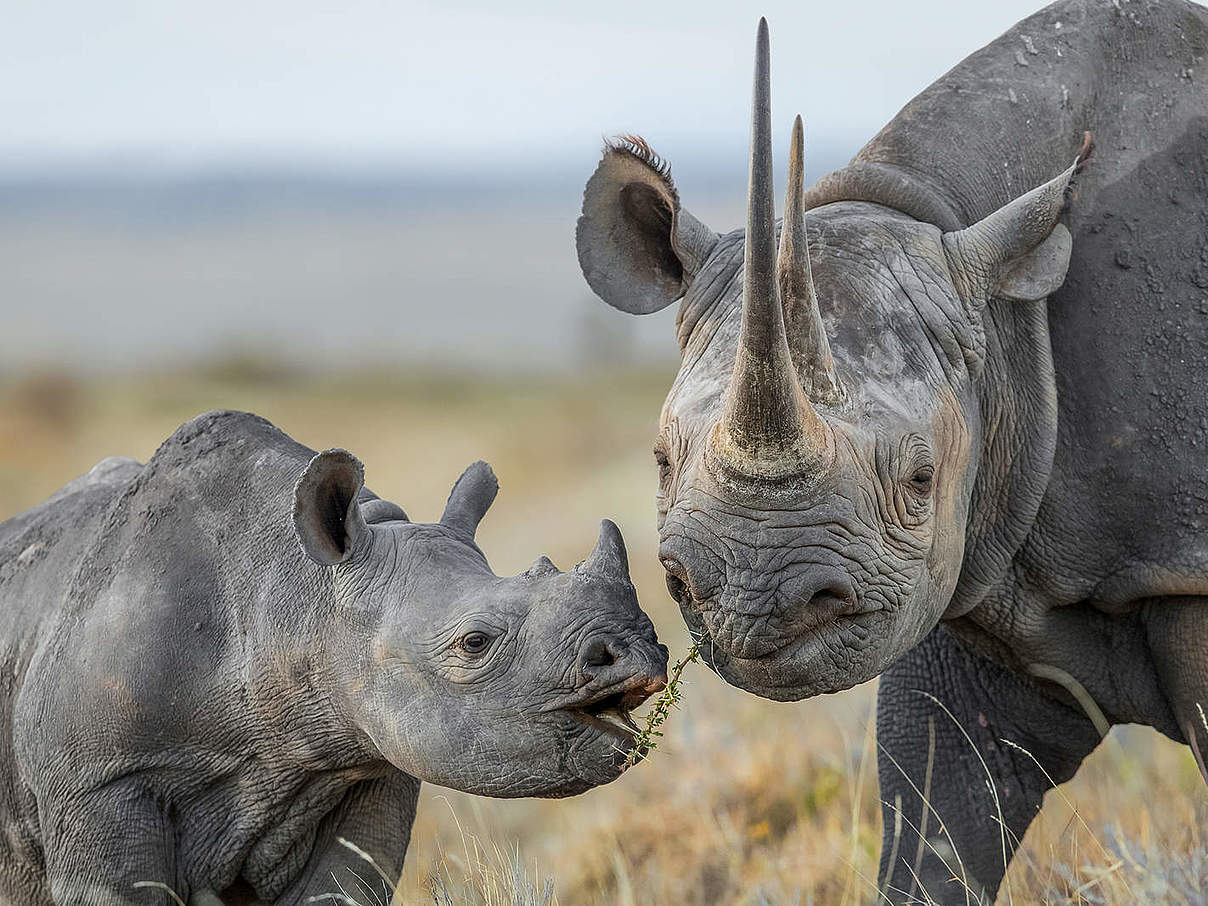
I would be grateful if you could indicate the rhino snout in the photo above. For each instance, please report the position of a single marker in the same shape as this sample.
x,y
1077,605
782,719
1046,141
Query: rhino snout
x,y
753,623
639,665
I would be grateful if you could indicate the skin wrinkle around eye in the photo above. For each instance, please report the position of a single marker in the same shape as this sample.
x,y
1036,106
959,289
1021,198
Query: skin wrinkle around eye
x,y
473,672
911,508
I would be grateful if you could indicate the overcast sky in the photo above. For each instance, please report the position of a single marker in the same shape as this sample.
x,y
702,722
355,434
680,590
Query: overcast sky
x,y
414,83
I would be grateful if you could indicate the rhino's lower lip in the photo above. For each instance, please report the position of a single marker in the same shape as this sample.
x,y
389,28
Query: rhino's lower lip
x,y
795,670
804,644
614,721
609,714
626,695
791,647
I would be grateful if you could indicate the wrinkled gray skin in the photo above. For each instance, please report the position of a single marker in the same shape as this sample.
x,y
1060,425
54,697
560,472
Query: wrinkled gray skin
x,y
1002,504
193,701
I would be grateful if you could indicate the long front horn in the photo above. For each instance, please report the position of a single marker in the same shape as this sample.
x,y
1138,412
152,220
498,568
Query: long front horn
x,y
808,345
769,427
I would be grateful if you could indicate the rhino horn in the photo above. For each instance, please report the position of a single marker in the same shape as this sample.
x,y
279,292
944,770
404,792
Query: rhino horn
x,y
608,558
808,345
769,427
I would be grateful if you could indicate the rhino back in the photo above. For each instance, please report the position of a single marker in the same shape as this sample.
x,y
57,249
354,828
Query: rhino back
x,y
168,587
1011,115
39,546
218,487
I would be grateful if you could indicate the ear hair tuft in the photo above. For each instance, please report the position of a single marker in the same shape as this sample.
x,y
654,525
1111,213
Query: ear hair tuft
x,y
638,148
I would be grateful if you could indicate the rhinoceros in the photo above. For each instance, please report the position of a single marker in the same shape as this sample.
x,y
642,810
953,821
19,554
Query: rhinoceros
x,y
947,420
218,664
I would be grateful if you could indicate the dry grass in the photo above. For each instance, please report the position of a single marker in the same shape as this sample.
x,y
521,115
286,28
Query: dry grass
x,y
745,801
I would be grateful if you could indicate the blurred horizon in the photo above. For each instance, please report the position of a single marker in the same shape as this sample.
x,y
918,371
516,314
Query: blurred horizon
x,y
146,265
391,185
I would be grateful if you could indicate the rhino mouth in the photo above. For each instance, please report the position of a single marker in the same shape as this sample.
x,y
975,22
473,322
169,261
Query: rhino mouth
x,y
795,664
797,669
610,715
610,710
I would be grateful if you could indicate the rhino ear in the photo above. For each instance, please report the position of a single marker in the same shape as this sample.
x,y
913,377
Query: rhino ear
x,y
638,249
471,497
327,513
1019,252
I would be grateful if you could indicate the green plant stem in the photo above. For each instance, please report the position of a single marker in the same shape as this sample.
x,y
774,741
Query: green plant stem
x,y
669,698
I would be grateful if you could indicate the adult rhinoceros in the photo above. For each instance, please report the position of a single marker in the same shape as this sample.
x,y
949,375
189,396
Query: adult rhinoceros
x,y
955,429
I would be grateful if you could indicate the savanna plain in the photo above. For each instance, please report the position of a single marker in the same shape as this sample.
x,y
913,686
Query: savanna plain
x,y
744,801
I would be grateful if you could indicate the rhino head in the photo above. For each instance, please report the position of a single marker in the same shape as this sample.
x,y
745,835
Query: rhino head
x,y
517,686
821,444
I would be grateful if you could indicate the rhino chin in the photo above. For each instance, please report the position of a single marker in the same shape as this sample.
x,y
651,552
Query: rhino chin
x,y
600,760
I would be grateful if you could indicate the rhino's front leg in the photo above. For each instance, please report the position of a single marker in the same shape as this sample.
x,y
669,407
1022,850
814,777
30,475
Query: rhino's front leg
x,y
100,845
943,714
376,817
1177,629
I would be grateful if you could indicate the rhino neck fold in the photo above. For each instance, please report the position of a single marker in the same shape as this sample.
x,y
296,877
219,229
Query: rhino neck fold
x,y
1016,398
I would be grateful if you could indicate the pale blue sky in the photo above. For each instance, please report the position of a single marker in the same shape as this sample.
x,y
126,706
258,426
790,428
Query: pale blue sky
x,y
415,83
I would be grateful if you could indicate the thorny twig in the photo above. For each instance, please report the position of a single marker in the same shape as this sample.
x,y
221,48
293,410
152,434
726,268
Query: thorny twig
x,y
647,739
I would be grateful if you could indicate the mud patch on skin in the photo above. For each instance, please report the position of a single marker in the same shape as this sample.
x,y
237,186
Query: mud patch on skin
x,y
31,555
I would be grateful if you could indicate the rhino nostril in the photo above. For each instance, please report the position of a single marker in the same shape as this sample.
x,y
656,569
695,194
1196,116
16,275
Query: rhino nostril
x,y
676,576
599,654
677,587
833,597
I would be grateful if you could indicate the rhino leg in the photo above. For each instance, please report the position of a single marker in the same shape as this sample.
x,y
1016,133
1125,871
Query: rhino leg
x,y
376,817
100,846
942,715
1177,630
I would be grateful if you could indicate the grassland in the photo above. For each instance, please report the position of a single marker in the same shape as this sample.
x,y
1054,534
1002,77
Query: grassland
x,y
746,801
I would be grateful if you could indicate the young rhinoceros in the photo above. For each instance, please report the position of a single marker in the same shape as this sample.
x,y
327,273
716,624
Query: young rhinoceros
x,y
216,664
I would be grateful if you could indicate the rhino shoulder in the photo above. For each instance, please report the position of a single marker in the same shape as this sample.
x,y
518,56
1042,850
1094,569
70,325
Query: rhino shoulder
x,y
222,431
226,457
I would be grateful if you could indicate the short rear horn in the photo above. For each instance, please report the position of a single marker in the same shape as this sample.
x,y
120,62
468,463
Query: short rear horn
x,y
808,345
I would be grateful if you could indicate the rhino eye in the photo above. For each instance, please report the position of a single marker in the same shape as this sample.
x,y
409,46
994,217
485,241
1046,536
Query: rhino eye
x,y
664,464
475,642
922,479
